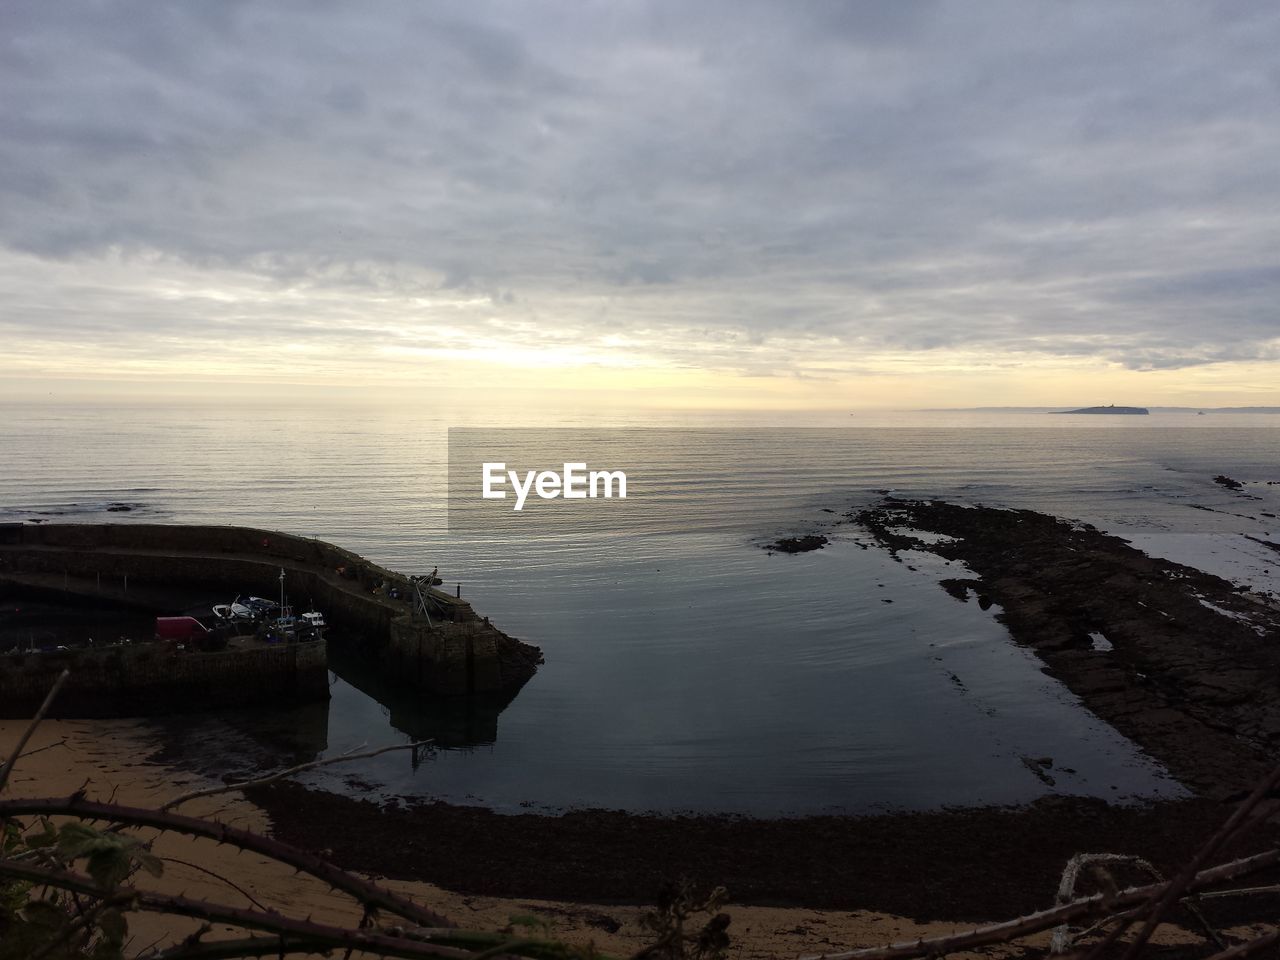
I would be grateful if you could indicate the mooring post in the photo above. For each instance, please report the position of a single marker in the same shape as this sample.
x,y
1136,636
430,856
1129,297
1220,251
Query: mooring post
x,y
459,591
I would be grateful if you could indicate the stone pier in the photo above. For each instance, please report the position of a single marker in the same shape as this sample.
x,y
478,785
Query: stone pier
x,y
450,651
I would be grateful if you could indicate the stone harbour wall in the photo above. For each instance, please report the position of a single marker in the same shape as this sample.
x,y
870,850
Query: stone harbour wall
x,y
455,653
150,678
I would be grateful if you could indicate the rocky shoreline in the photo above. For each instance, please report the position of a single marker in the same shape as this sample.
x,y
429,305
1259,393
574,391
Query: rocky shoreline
x,y
1178,660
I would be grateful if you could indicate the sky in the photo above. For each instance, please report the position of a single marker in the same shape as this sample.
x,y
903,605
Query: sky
x,y
737,204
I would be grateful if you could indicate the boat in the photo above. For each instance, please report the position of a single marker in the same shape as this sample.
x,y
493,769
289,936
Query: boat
x,y
262,606
248,608
290,629
313,618
234,611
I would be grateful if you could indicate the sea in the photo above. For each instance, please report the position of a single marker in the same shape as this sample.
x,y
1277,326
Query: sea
x,y
687,667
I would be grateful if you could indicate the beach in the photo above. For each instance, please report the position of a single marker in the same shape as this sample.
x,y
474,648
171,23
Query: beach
x,y
108,760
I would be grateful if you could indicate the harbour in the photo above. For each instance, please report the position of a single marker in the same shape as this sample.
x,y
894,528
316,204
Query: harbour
x,y
403,627
686,669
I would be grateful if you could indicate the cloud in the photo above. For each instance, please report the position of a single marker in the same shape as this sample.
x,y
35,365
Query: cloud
x,y
747,186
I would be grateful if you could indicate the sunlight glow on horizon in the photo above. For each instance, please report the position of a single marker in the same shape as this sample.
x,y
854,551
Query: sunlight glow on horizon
x,y
220,331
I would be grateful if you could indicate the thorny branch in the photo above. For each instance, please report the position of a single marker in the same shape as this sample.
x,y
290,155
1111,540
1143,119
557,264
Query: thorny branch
x,y
1237,825
1096,906
236,916
362,890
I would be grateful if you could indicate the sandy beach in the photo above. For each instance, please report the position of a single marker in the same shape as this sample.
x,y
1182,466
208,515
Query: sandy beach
x,y
107,758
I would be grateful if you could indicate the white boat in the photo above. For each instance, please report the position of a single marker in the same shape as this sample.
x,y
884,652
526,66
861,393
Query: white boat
x,y
261,606
314,619
233,611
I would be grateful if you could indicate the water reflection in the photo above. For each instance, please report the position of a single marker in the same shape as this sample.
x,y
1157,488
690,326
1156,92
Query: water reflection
x,y
243,743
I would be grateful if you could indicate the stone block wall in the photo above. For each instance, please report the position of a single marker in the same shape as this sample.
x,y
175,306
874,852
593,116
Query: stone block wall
x,y
150,678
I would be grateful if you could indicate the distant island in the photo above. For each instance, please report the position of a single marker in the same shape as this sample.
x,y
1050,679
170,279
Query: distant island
x,y
1141,411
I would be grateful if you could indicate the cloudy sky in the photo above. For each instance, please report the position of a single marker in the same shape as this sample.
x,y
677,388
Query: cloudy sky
x,y
734,204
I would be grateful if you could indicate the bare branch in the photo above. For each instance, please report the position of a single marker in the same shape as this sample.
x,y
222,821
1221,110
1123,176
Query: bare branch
x,y
48,746
1067,889
1094,906
1062,937
31,728
1236,826
217,876
1250,947
270,921
348,883
1239,892
229,787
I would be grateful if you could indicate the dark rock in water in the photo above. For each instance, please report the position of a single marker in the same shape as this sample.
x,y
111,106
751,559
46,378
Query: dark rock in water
x,y
1038,769
119,508
1227,482
1133,411
799,544
959,588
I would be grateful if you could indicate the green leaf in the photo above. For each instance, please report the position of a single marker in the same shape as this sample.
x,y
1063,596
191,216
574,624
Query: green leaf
x,y
111,856
109,867
149,862
79,840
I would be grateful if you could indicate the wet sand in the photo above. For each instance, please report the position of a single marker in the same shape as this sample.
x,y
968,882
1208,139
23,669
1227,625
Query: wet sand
x,y
109,759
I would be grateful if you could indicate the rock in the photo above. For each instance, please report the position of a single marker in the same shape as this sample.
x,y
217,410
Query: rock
x,y
958,588
799,544
1183,681
1038,770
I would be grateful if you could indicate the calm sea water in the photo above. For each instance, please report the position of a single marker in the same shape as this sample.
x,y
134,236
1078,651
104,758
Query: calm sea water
x,y
686,669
